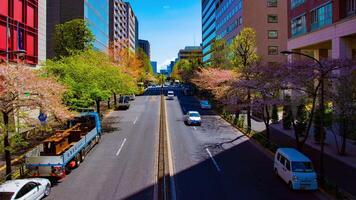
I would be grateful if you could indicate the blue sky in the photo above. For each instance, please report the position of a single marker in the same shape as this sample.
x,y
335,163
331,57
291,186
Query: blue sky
x,y
169,25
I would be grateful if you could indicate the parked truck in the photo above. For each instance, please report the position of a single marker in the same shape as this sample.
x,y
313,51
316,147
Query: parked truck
x,y
66,149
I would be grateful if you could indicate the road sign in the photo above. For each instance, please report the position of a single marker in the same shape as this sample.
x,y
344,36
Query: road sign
x,y
42,117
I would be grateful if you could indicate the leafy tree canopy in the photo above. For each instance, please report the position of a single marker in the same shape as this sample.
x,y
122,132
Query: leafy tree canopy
x,y
72,37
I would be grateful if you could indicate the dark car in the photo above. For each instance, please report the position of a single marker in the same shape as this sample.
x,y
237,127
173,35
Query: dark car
x,y
124,102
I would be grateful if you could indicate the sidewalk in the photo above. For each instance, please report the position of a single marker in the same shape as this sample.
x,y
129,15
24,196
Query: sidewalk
x,y
340,170
330,148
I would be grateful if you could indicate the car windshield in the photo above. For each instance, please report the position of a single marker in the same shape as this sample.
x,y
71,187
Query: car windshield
x,y
302,167
194,115
205,102
170,93
6,195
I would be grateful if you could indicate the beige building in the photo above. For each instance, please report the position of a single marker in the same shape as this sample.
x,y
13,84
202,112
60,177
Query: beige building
x,y
267,17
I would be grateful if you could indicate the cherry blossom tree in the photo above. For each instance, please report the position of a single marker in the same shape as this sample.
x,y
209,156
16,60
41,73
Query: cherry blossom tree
x,y
22,87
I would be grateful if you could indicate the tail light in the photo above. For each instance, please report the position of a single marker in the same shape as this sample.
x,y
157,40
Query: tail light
x,y
57,171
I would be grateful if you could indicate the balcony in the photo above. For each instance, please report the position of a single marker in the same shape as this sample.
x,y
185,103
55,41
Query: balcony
x,y
321,23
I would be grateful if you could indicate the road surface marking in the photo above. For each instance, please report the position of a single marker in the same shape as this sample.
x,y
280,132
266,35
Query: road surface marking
x,y
170,159
122,145
135,120
212,158
195,128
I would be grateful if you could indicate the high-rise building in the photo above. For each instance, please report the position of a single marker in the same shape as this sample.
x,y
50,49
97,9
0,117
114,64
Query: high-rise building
x,y
23,31
117,25
208,27
154,66
191,53
95,12
130,26
231,16
136,32
324,29
145,46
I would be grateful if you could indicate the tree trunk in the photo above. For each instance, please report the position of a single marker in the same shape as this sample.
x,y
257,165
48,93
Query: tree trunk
x,y
97,106
7,153
115,99
344,135
267,123
109,103
249,111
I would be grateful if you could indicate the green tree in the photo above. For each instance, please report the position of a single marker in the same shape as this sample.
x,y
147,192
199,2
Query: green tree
x,y
244,56
71,37
91,78
220,54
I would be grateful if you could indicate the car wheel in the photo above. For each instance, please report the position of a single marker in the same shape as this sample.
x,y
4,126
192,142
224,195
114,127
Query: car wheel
x,y
47,190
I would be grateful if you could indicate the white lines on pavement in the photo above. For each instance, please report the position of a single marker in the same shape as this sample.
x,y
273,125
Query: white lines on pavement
x,y
212,159
122,145
134,122
195,128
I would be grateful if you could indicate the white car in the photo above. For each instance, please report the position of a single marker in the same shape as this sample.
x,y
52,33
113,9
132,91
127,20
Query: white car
x,y
193,118
295,169
170,95
25,189
204,104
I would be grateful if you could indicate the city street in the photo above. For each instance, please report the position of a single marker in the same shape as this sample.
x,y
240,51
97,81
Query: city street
x,y
122,166
212,161
215,161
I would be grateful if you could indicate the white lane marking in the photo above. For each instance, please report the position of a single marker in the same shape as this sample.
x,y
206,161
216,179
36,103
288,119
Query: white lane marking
x,y
195,128
212,158
122,145
135,120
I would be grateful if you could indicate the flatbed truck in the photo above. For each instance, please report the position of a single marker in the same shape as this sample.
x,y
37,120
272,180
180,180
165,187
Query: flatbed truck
x,y
66,149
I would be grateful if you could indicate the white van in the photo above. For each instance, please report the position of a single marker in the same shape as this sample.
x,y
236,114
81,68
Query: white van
x,y
295,169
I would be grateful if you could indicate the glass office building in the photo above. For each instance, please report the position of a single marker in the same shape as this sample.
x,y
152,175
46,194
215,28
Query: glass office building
x,y
97,14
208,27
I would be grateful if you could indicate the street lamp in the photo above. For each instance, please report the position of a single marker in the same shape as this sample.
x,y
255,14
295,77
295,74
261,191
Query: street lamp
x,y
322,106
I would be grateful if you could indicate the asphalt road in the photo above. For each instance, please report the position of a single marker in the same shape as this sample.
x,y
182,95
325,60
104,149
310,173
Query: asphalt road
x,y
123,165
215,161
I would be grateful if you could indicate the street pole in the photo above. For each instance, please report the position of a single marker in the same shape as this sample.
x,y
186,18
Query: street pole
x,y
321,109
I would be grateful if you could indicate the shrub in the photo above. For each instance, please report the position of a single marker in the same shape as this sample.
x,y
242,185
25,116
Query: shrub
x,y
301,118
275,114
287,118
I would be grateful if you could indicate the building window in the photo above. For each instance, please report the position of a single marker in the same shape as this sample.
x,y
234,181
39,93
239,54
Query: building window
x,y
351,7
272,18
272,3
298,26
272,50
272,34
296,3
321,16
240,20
